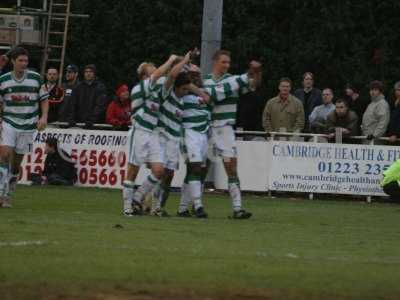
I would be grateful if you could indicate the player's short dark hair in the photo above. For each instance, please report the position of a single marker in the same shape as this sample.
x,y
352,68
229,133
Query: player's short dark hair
x,y
219,53
285,79
341,100
18,51
182,79
195,78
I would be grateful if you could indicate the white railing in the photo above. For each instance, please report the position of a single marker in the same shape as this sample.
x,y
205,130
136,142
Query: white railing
x,y
314,136
272,135
80,125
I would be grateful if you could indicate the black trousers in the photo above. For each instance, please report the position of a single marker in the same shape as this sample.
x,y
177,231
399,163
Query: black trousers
x,y
53,179
393,190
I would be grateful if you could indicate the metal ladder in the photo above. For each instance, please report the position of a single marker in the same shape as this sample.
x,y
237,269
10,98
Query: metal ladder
x,y
56,35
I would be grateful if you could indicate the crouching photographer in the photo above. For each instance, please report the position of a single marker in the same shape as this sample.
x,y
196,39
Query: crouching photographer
x,y
59,169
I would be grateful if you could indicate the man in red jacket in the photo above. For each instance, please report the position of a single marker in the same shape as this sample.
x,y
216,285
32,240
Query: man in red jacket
x,y
118,112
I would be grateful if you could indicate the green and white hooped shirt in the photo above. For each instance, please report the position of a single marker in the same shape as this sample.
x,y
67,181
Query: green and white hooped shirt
x,y
171,112
139,94
21,98
147,119
225,92
196,115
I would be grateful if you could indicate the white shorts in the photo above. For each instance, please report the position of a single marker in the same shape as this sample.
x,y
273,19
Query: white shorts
x,y
169,152
195,147
223,140
143,147
20,141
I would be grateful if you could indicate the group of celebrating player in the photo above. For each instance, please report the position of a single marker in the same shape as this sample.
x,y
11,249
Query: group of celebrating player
x,y
175,108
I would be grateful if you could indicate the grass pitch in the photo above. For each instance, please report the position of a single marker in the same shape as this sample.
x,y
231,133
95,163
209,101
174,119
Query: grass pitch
x,y
63,243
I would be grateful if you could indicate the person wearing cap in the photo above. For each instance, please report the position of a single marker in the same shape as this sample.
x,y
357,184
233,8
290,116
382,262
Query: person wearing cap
x,y
394,125
88,100
118,111
377,115
71,81
71,75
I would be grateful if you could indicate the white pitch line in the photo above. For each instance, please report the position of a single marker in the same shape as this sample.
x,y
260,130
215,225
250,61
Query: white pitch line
x,y
22,243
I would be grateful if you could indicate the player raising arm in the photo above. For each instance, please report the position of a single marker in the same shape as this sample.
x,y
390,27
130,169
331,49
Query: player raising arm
x,y
143,142
225,89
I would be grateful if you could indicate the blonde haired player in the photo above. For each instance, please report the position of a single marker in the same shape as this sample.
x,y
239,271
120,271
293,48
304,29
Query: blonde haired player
x,y
143,141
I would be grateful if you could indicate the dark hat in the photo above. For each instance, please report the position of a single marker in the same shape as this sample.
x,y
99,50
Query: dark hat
x,y
72,68
378,85
91,67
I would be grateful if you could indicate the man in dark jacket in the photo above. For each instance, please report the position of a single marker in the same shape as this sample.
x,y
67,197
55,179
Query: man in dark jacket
x,y
58,166
71,81
88,100
56,94
394,125
355,102
3,64
309,96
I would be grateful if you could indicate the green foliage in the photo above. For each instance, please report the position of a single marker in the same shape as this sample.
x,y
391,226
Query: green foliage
x,y
340,41
121,34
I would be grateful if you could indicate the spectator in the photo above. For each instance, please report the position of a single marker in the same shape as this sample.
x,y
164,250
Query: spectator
x,y
250,109
58,166
88,100
320,113
55,94
118,112
355,102
71,81
377,115
394,125
344,118
283,111
309,96
3,64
